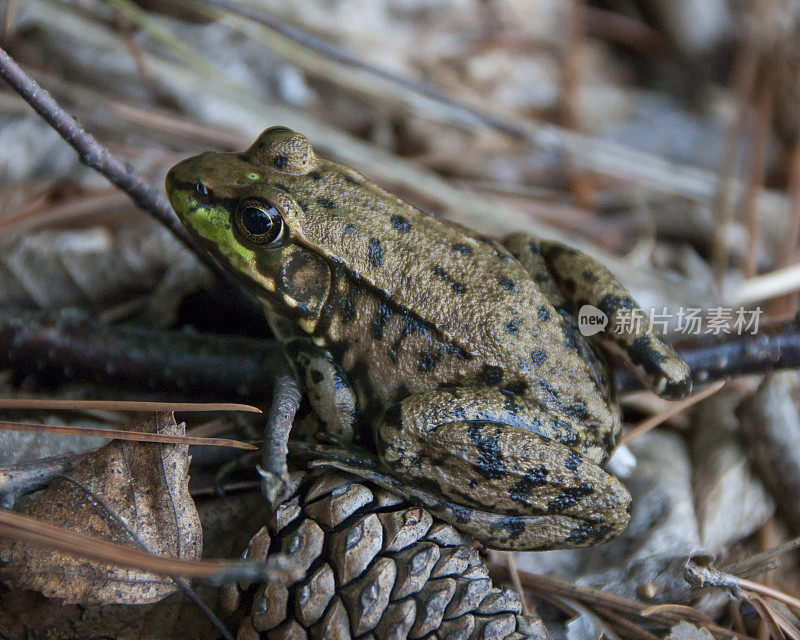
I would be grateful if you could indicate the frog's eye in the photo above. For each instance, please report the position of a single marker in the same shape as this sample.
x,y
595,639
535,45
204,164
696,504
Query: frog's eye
x,y
259,221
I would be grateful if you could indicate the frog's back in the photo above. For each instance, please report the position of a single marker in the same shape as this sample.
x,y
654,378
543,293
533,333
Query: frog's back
x,y
420,303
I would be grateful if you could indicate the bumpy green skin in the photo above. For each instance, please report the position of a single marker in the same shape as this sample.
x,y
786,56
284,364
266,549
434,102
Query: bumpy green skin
x,y
454,358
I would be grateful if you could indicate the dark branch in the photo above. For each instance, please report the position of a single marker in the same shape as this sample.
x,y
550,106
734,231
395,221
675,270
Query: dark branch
x,y
96,156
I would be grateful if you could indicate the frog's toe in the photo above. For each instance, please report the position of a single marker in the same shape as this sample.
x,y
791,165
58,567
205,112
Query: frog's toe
x,y
661,367
673,388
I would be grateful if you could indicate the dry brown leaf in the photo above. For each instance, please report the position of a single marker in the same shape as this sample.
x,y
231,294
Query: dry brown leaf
x,y
127,492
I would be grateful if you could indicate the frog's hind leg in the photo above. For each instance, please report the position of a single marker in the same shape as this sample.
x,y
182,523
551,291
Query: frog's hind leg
x,y
572,279
499,458
496,530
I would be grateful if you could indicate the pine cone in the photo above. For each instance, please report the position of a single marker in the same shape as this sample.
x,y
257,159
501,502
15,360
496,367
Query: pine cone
x,y
376,568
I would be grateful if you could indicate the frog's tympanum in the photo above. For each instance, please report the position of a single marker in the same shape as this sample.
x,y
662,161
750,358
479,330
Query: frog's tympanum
x,y
450,362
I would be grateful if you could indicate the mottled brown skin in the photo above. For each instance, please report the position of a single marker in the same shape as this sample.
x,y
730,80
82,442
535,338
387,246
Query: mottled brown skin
x,y
454,359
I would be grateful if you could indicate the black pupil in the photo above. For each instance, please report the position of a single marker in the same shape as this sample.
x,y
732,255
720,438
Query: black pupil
x,y
258,221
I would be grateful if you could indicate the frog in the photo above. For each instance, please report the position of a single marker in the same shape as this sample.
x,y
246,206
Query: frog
x,y
443,364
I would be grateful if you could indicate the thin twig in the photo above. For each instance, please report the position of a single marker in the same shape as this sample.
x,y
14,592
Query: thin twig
x,y
703,576
19,527
580,181
763,561
98,157
19,479
766,286
596,599
755,587
787,305
10,18
631,629
676,407
514,573
764,107
120,434
628,31
744,75
122,405
126,32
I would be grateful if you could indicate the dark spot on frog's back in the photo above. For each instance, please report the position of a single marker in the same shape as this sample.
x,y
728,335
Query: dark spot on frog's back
x,y
676,389
507,284
538,356
280,161
375,252
462,248
315,176
400,223
282,187
512,327
326,202
461,514
589,276
348,179
543,313
491,375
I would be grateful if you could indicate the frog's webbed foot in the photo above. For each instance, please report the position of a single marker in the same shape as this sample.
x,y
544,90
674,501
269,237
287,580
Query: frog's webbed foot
x,y
571,279
496,530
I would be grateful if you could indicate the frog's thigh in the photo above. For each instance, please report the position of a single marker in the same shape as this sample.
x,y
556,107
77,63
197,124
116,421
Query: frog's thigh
x,y
489,459
582,280
329,392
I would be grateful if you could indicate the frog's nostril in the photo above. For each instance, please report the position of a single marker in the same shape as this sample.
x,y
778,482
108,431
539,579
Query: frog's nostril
x,y
201,188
